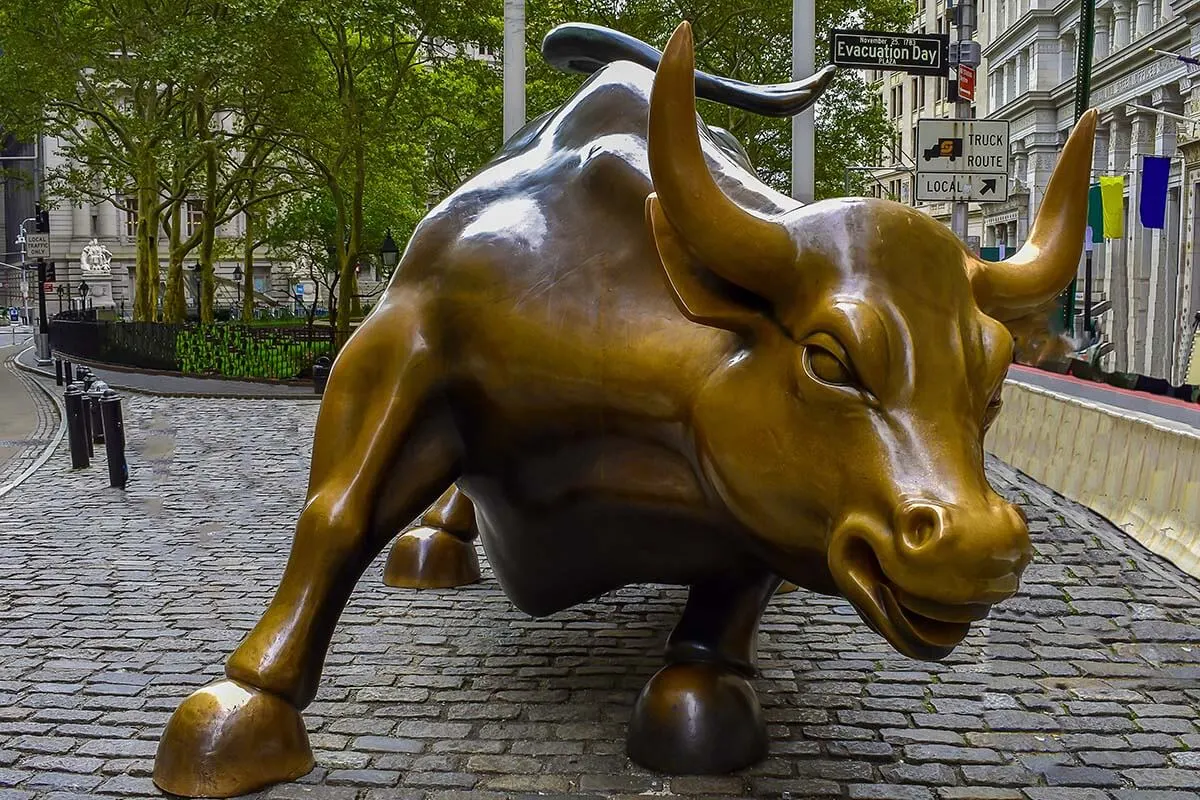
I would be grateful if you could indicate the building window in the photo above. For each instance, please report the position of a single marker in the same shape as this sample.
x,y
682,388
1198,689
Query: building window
x,y
131,216
195,216
260,283
95,223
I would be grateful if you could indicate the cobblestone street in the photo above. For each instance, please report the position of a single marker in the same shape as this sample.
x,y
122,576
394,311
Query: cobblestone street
x,y
114,606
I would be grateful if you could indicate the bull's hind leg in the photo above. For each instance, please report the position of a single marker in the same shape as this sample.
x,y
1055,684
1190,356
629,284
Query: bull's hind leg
x,y
383,451
699,714
437,551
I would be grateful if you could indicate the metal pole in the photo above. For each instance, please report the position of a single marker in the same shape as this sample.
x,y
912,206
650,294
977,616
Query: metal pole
x,y
967,55
114,439
76,434
514,67
803,125
1083,92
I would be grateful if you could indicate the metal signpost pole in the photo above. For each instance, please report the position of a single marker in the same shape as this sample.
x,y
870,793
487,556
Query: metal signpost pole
x,y
514,67
1083,90
803,128
968,55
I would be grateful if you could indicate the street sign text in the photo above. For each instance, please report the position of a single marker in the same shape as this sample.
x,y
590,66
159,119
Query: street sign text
x,y
914,53
37,245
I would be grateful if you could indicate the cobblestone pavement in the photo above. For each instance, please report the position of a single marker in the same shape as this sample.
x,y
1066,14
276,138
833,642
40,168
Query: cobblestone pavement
x,y
29,420
114,606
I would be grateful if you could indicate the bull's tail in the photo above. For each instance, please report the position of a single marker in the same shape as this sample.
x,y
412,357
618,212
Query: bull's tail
x,y
579,47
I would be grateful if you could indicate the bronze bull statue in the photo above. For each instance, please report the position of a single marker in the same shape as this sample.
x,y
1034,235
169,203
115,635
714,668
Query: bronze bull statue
x,y
639,363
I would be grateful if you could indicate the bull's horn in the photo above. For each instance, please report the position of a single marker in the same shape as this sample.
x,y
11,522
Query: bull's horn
x,y
1048,260
738,245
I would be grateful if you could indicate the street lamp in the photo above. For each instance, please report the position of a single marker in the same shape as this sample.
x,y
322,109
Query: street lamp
x,y
83,293
237,278
389,254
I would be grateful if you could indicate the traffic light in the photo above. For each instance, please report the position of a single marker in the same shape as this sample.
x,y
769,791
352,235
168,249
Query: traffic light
x,y
43,218
50,276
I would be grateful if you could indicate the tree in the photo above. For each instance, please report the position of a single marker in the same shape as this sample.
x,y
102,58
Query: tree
x,y
348,76
749,41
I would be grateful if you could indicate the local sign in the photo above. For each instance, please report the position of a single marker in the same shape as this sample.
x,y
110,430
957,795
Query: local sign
x,y
914,53
966,83
962,159
37,245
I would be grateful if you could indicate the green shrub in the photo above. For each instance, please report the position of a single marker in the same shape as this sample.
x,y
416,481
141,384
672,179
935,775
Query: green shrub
x,y
232,351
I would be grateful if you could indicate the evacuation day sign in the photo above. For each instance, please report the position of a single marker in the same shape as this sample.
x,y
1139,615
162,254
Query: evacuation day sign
x,y
914,53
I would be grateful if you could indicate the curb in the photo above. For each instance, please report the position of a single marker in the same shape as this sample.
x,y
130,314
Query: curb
x,y
50,448
152,393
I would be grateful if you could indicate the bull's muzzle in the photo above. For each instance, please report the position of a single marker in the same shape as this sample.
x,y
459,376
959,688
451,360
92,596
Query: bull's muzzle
x,y
921,581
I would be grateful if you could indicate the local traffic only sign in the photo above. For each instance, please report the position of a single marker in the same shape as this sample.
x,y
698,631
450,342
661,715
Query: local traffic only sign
x,y
962,159
37,245
914,53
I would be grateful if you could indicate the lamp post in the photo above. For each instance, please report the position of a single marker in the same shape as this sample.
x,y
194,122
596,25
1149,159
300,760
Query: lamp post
x,y
237,278
389,253
83,293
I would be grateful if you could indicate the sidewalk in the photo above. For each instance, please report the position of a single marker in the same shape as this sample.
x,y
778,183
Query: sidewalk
x,y
179,385
28,422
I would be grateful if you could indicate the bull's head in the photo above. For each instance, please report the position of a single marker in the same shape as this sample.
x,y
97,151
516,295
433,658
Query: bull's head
x,y
846,427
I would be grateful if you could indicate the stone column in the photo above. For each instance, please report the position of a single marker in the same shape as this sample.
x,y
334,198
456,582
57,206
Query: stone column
x,y
1115,269
109,221
1100,42
1140,244
1100,273
1163,267
1145,18
1121,26
81,221
1188,286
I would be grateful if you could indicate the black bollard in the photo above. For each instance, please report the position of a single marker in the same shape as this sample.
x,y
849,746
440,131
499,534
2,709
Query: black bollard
x,y
67,372
94,394
86,400
58,365
88,379
76,432
114,439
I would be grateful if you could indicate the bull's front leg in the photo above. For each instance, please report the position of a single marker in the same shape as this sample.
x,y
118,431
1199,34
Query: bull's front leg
x,y
699,714
381,453
437,551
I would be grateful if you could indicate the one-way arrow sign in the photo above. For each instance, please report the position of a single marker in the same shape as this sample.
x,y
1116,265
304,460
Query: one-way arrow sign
x,y
989,185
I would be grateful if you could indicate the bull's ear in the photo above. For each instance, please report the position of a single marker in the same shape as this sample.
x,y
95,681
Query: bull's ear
x,y
701,296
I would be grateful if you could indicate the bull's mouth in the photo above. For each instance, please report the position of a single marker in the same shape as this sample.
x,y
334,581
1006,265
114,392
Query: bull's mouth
x,y
918,627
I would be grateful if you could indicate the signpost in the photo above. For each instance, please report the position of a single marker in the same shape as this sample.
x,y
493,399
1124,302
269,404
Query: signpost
x,y
962,160
966,83
37,245
914,53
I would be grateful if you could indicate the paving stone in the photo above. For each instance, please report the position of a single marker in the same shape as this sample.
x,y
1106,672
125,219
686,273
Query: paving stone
x,y
450,695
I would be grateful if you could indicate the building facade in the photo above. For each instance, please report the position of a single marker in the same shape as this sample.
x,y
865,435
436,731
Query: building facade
x,y
1142,281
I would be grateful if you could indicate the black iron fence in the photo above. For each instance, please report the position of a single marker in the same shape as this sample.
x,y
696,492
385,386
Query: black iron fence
x,y
228,350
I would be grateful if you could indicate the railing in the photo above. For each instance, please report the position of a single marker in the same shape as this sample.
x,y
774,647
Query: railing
x,y
228,350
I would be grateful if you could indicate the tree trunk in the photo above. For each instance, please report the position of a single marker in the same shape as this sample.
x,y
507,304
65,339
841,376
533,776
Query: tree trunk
x,y
145,274
174,304
208,231
248,276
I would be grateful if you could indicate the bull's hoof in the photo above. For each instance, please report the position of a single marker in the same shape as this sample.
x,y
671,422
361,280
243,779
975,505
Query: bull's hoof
x,y
228,739
787,587
697,719
429,558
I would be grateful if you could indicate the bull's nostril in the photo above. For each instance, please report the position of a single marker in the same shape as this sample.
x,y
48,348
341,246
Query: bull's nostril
x,y
919,525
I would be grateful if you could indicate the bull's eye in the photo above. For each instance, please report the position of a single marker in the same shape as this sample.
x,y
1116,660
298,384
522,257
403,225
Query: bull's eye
x,y
826,367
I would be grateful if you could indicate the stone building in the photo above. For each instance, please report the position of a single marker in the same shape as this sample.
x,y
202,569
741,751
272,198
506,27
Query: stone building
x,y
1142,282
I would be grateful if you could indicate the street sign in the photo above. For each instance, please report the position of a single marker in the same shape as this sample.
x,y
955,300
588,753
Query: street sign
x,y
37,245
48,287
966,83
14,313
962,159
914,53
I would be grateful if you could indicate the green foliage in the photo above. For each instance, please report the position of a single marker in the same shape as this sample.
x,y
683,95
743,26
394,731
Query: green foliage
x,y
233,351
749,40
